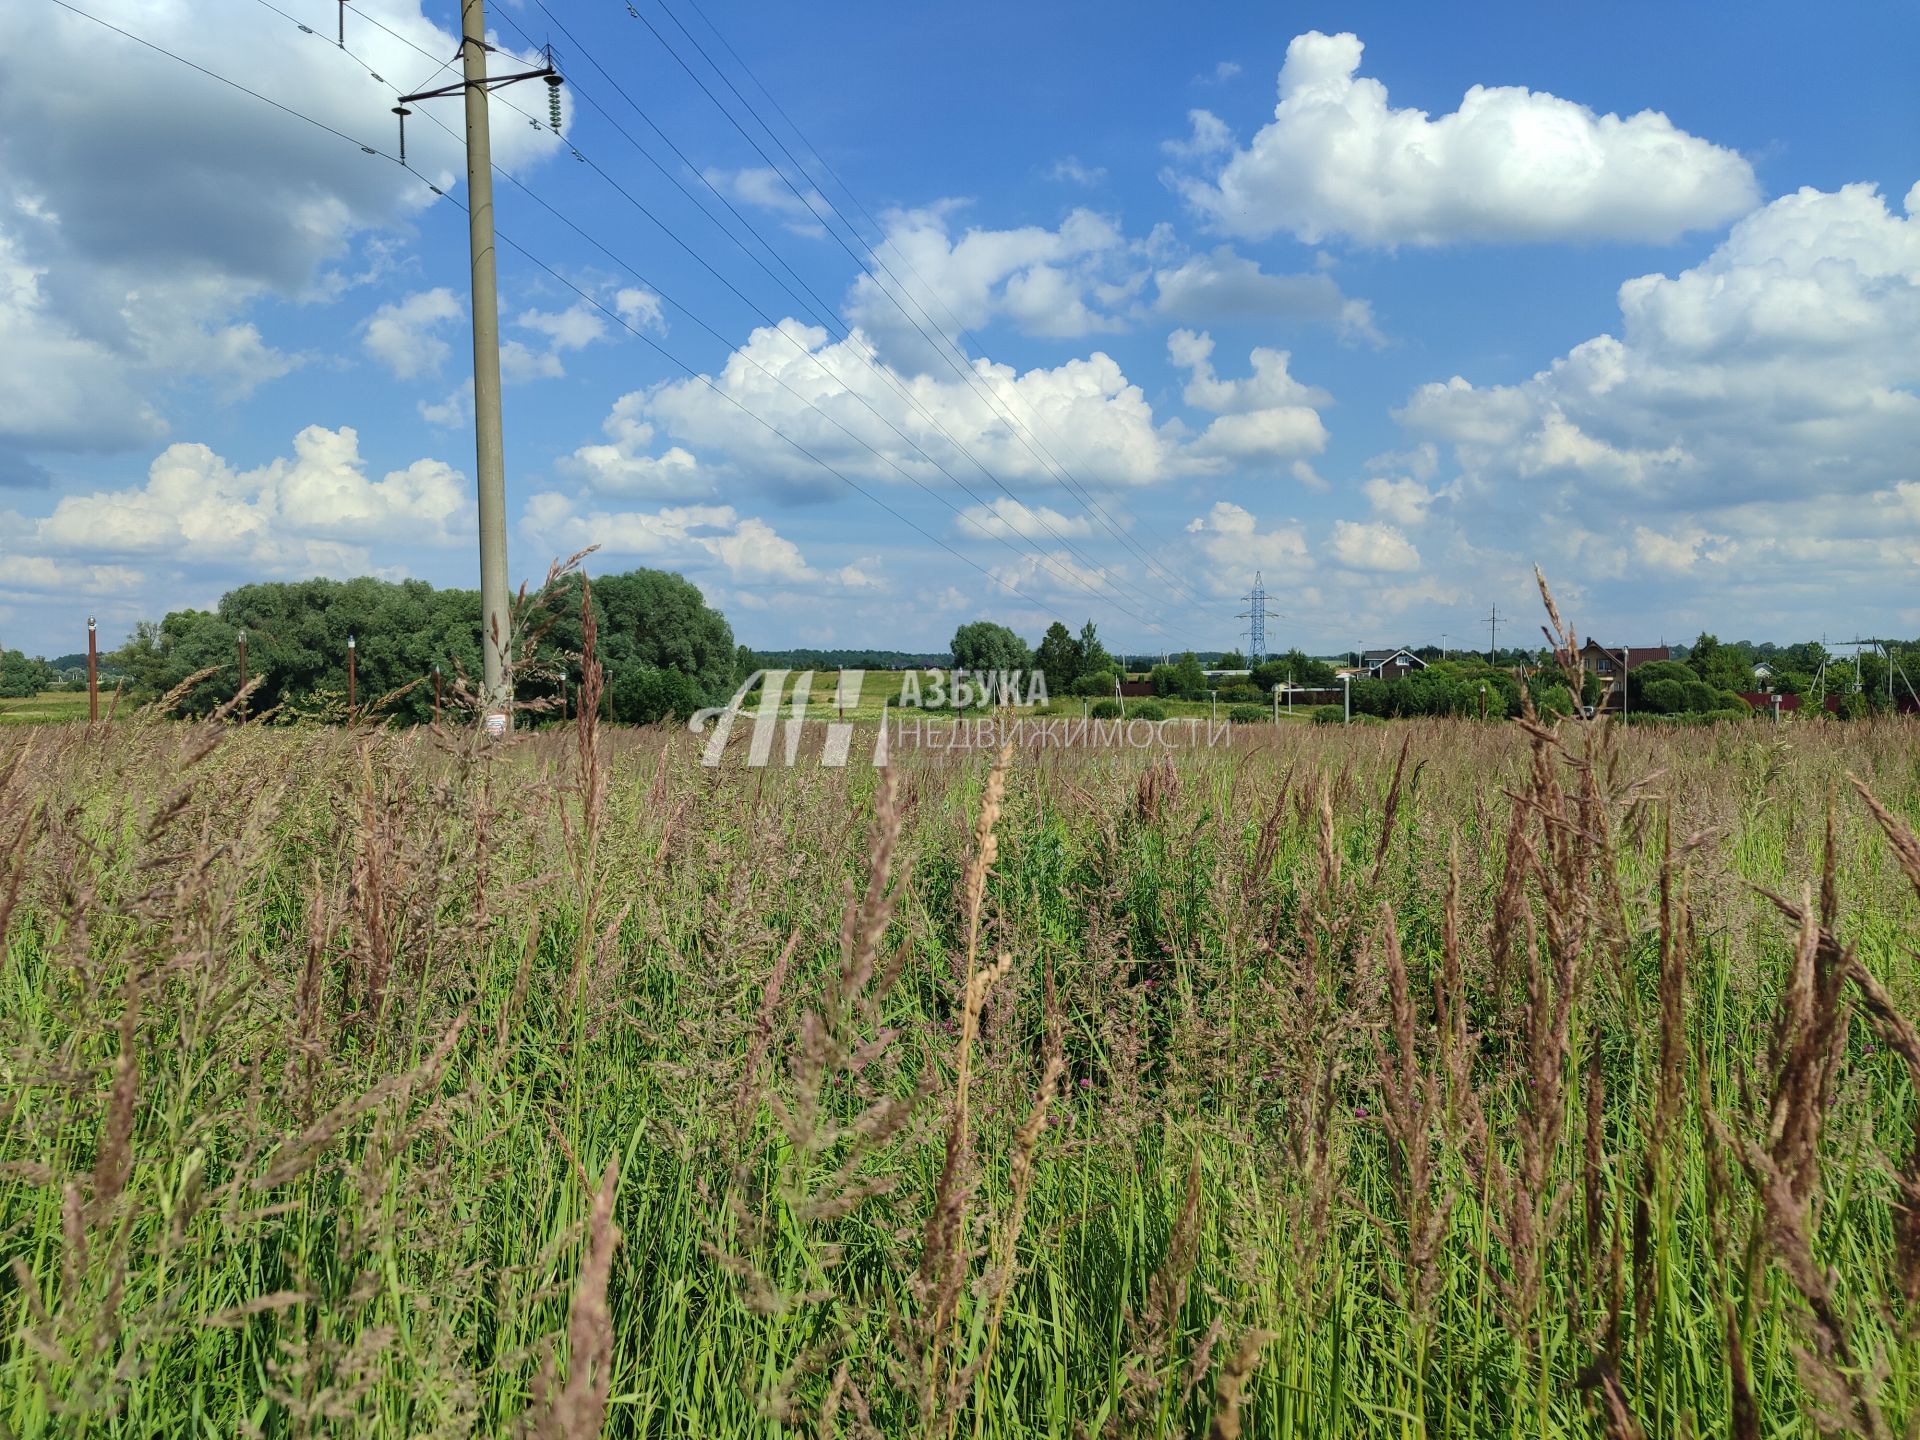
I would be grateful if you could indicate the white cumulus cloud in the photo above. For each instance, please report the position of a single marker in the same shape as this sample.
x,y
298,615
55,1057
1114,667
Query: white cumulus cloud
x,y
1510,164
1367,545
315,510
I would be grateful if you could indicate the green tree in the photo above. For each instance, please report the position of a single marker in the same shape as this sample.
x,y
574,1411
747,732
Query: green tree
x,y
983,645
1058,658
23,676
1093,655
1190,678
1724,667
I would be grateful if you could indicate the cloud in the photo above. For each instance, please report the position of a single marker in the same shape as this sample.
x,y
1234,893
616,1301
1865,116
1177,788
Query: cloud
x,y
1222,72
1400,500
1058,284
1011,519
640,309
1372,547
826,396
1207,135
626,466
1070,171
1267,415
747,549
1232,546
403,335
1510,165
1224,286
574,328
315,511
138,230
454,411
765,189
1759,406
1059,575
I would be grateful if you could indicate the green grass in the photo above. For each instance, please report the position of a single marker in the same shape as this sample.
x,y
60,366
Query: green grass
x,y
51,707
317,1046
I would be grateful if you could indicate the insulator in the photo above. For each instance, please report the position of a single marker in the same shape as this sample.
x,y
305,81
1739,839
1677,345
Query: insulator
x,y
553,102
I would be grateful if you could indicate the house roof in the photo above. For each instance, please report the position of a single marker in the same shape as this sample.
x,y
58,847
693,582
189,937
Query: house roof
x,y
1639,654
1376,658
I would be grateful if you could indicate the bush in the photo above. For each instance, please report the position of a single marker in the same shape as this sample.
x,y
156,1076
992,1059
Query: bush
x,y
1148,710
1094,685
1665,697
1105,710
1328,715
1242,695
1247,714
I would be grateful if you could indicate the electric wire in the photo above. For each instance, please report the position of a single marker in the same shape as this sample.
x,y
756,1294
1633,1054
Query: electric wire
x,y
563,280
1073,485
1064,573
1091,565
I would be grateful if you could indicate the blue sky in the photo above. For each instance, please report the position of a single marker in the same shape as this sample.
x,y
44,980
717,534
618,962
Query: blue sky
x,y
1103,306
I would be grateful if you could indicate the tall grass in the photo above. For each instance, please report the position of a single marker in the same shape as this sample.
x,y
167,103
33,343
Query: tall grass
x,y
1429,1080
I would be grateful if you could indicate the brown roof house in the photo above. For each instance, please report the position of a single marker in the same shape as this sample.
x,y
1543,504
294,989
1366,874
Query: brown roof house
x,y
1391,664
1612,665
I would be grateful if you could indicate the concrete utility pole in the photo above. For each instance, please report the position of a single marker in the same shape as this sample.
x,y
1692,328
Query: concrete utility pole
x,y
93,674
489,448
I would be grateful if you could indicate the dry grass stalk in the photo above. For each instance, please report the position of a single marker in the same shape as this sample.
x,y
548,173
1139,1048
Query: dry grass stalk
x,y
1231,1386
945,1243
577,1409
1026,1143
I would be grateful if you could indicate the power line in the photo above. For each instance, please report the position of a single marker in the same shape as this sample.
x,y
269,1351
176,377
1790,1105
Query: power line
x,y
1092,566
1063,573
535,260
963,368
906,261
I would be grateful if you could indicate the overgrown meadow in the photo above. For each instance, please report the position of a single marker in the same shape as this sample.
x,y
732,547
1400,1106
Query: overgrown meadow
x,y
1428,1079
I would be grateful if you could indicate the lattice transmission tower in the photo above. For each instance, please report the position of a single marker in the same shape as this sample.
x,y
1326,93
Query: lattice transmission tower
x,y
1257,613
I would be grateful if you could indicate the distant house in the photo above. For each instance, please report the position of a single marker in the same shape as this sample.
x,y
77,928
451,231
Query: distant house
x,y
1763,676
1611,666
1391,664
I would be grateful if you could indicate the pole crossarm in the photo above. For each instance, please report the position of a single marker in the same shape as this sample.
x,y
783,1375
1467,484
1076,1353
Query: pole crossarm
x,y
491,83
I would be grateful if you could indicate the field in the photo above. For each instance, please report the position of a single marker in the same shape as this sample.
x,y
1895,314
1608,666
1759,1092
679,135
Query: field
x,y
1433,1079
877,687
51,707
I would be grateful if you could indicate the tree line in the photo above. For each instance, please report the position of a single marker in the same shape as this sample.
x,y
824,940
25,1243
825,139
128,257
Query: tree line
x,y
665,652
